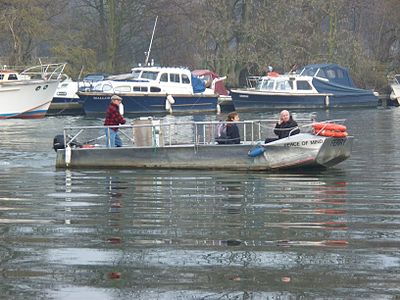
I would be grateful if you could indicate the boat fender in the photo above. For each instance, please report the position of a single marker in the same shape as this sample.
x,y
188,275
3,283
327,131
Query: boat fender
x,y
218,109
121,109
168,103
67,155
256,151
170,99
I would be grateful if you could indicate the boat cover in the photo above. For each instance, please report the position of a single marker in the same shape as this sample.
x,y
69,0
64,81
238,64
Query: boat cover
x,y
333,72
220,88
198,85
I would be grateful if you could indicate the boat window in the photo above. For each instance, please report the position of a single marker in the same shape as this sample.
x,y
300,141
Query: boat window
x,y
303,85
164,77
174,78
268,85
12,77
140,89
340,74
185,79
154,89
64,85
397,77
123,89
330,74
321,73
1,76
283,86
149,75
136,74
259,84
107,87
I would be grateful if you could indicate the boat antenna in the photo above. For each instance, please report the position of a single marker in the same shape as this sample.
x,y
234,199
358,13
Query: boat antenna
x,y
151,42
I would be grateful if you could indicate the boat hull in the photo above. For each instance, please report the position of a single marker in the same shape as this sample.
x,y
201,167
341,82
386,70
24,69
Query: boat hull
x,y
65,106
324,95
26,99
138,104
299,151
251,100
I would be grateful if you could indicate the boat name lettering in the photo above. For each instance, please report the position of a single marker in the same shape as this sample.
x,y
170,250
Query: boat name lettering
x,y
101,98
338,142
313,142
303,143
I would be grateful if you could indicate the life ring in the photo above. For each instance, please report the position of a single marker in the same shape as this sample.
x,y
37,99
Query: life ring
x,y
331,133
329,126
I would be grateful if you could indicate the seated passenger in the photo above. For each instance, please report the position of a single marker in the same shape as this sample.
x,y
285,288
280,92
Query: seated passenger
x,y
285,126
229,132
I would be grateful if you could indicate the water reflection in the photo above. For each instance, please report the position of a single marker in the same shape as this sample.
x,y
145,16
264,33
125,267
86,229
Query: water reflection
x,y
143,234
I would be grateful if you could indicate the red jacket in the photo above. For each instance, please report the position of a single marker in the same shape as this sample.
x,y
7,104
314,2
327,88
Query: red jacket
x,y
113,117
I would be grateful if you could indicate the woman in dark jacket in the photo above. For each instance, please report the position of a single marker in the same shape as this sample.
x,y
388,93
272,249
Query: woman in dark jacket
x,y
229,132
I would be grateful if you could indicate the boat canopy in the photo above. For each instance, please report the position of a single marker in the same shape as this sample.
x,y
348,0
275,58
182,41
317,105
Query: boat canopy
x,y
198,85
332,72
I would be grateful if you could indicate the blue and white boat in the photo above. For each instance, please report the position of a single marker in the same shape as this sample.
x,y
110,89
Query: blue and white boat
x,y
152,90
316,86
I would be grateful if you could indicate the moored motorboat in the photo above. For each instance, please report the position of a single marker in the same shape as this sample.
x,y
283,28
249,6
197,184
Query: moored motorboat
x,y
28,94
191,145
316,86
395,89
65,100
152,90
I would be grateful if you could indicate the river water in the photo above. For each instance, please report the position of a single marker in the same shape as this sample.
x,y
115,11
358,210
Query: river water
x,y
148,234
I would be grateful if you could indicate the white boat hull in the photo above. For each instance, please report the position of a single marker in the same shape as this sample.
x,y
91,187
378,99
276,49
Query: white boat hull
x,y
26,98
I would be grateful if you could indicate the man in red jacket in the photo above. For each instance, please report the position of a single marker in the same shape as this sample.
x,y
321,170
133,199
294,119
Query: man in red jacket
x,y
113,117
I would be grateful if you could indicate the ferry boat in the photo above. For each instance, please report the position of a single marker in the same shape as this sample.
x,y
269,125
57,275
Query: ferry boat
x,y
152,90
151,143
316,86
28,94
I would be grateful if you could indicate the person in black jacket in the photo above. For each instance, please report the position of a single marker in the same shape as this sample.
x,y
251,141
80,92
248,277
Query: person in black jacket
x,y
284,127
229,131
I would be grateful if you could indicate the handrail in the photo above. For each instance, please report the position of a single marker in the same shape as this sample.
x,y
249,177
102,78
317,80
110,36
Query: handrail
x,y
202,132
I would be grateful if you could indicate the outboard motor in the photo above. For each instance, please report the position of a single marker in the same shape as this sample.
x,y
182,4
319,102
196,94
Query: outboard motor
x,y
58,143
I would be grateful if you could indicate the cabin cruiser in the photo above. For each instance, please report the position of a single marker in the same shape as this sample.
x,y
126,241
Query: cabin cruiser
x,y
31,91
152,90
316,86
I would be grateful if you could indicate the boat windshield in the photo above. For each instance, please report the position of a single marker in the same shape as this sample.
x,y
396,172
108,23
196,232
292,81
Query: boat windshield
x,y
274,84
136,74
151,75
397,78
265,84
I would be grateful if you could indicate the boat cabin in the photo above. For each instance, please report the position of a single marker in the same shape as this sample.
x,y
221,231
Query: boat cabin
x,y
286,83
10,75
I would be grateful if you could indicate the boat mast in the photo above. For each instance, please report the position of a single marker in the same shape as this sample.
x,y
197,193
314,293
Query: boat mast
x,y
151,42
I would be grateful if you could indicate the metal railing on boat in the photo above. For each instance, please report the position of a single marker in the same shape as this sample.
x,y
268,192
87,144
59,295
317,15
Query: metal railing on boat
x,y
157,133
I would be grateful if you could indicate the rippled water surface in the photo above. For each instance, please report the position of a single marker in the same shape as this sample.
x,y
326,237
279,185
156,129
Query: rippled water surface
x,y
149,234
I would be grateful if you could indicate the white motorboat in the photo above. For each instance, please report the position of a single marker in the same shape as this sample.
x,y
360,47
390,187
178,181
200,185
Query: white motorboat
x,y
152,90
395,86
28,94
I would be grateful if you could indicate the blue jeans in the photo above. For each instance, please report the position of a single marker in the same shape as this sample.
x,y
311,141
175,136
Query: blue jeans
x,y
113,140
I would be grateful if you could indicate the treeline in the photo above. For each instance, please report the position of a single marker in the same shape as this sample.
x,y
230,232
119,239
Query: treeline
x,y
231,37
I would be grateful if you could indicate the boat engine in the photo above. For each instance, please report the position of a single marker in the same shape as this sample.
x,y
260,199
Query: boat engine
x,y
58,143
